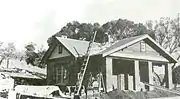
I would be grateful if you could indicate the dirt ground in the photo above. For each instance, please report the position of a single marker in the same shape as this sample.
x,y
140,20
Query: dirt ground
x,y
137,95
133,95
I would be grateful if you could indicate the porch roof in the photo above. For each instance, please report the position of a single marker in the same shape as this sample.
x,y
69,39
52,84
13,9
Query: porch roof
x,y
140,56
122,44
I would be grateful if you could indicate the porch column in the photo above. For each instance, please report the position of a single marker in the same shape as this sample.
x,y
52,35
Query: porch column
x,y
136,76
111,80
120,82
126,81
150,75
168,72
130,82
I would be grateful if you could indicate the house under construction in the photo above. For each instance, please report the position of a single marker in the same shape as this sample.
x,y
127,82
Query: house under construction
x,y
124,64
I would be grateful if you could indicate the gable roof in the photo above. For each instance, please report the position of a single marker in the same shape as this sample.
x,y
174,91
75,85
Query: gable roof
x,y
121,44
78,48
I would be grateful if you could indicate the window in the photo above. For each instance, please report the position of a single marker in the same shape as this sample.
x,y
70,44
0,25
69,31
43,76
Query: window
x,y
58,74
53,73
61,74
60,49
142,46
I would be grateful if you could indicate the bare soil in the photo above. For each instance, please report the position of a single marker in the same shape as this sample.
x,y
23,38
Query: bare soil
x,y
119,94
137,95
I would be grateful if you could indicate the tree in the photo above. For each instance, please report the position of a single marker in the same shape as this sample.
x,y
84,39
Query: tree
x,y
40,51
7,52
122,28
79,31
116,29
1,53
69,30
33,57
167,34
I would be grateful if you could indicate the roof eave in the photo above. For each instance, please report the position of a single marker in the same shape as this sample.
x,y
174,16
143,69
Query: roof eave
x,y
48,53
173,60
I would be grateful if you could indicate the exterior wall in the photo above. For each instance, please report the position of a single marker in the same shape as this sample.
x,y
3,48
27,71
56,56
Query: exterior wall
x,y
55,53
50,72
65,63
95,66
137,46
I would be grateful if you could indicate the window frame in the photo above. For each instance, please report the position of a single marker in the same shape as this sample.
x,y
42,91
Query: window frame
x,y
60,49
142,46
60,74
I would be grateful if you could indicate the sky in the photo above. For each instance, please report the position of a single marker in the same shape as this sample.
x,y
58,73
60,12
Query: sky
x,y
24,21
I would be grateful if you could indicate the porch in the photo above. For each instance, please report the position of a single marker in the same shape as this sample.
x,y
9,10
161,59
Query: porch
x,y
129,73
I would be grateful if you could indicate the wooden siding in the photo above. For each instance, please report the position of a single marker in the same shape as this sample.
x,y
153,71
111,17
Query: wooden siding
x,y
52,72
137,46
56,54
134,52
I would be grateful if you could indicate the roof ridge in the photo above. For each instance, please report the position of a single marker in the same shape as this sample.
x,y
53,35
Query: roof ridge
x,y
76,40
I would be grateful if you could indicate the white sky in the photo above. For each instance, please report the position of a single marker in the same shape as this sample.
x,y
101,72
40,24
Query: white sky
x,y
23,21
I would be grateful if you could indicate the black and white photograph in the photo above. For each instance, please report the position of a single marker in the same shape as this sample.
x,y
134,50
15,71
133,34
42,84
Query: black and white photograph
x,y
89,49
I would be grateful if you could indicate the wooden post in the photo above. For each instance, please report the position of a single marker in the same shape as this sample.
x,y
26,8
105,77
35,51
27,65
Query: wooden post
x,y
130,82
126,79
150,75
111,80
120,82
136,76
168,72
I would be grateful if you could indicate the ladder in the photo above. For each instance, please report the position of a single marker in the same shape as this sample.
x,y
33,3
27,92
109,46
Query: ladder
x,y
85,63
